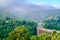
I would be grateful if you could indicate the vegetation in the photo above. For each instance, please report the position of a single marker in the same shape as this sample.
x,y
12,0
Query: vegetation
x,y
20,33
12,28
15,29
9,24
52,22
47,36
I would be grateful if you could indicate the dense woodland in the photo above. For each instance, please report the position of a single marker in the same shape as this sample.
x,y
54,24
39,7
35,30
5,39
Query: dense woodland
x,y
12,28
52,22
16,29
9,24
19,19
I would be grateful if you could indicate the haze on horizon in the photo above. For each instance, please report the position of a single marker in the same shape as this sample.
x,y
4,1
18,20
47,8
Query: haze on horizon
x,y
17,4
28,8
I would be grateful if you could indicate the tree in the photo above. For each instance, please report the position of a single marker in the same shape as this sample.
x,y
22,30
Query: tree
x,y
53,35
58,38
52,23
9,24
34,37
44,37
19,33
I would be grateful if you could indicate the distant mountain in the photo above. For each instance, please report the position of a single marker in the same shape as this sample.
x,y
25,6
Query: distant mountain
x,y
39,15
52,22
4,13
29,11
35,12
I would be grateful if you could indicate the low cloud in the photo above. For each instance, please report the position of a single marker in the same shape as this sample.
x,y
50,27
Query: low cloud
x,y
4,2
38,3
56,6
19,9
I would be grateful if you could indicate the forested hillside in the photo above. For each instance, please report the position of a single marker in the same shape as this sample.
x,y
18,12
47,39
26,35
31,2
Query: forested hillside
x,y
40,14
12,28
52,22
4,13
29,20
29,11
8,24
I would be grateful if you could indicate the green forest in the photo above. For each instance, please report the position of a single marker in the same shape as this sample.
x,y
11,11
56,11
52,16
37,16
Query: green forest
x,y
29,19
7,25
17,29
13,28
52,22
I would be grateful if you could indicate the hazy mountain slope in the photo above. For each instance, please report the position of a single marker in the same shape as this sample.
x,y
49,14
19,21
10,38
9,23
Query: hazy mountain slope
x,y
5,13
29,11
52,22
38,15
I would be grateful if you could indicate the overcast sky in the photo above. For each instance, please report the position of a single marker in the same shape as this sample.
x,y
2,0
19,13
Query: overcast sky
x,y
49,2
8,3
55,3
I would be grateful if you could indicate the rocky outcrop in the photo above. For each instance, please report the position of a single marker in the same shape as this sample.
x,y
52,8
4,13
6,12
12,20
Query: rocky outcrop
x,y
41,30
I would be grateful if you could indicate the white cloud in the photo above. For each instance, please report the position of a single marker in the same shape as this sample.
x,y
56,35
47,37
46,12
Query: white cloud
x,y
18,9
56,6
4,2
38,3
21,9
